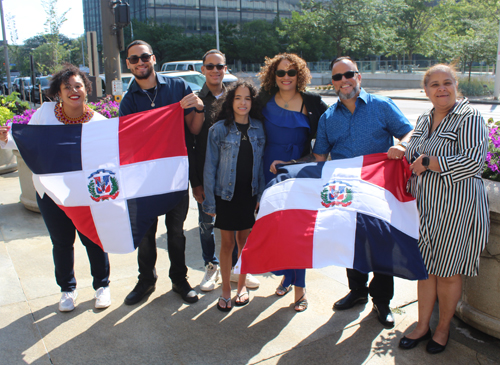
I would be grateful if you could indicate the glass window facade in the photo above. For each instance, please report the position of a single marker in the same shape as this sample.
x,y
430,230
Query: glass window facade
x,y
195,16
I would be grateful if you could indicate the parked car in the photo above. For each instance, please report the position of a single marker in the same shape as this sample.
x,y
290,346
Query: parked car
x,y
194,65
42,82
20,82
194,79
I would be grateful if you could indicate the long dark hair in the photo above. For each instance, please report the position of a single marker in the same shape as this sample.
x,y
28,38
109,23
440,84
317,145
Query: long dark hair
x,y
223,108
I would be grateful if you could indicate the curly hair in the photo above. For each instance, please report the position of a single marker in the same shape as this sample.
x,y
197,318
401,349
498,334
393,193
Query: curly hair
x,y
267,74
63,76
223,108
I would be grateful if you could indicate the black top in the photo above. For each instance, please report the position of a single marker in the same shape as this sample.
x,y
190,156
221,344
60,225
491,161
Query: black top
x,y
244,165
199,144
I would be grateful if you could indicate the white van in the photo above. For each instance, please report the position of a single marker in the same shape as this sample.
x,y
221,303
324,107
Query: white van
x,y
193,65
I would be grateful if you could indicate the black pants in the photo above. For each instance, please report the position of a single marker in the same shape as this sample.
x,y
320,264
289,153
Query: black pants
x,y
62,233
176,243
381,287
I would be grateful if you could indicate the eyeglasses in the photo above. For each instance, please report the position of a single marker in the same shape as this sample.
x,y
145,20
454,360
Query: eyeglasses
x,y
145,57
210,67
347,75
291,72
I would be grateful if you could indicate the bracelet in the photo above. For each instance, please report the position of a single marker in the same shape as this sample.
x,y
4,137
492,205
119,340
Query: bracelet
x,y
200,111
294,161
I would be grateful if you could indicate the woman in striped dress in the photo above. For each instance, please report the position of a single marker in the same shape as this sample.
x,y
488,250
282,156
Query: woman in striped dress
x,y
448,148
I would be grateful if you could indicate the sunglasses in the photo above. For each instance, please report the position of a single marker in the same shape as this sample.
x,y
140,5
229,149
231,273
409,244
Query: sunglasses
x,y
282,73
145,57
347,75
210,67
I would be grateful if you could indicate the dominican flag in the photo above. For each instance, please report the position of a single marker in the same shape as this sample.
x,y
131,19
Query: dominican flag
x,y
353,213
112,177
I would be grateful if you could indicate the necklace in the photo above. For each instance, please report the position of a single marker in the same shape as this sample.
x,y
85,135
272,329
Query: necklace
x,y
152,101
63,118
243,132
286,102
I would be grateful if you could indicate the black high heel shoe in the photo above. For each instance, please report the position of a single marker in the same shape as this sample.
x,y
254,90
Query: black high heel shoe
x,y
409,343
434,348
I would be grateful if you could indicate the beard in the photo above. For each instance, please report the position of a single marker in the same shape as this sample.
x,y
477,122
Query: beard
x,y
144,76
350,95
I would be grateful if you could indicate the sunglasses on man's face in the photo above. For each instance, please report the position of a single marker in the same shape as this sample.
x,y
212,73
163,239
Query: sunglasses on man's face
x,y
210,67
145,57
347,75
291,72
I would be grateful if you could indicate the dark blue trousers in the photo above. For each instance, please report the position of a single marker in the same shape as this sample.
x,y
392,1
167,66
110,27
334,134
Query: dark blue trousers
x,y
62,233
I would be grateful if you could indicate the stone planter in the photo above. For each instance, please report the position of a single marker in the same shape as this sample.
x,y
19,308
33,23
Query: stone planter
x,y
28,192
480,302
8,161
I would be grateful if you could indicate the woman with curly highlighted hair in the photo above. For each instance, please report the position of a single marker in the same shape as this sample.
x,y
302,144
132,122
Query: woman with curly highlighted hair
x,y
291,118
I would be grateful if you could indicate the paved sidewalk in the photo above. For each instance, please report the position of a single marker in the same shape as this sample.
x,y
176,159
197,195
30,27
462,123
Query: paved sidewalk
x,y
165,330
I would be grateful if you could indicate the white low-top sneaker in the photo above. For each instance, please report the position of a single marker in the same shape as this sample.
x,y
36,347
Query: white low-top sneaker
x,y
68,301
251,282
211,277
102,297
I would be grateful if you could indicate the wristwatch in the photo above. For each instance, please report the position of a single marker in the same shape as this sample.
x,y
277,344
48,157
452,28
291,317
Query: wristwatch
x,y
200,111
425,162
403,144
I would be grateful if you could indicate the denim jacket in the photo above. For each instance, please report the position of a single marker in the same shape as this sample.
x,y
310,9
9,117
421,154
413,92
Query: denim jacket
x,y
219,175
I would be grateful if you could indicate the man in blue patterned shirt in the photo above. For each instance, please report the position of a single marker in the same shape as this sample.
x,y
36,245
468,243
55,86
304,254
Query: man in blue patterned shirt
x,y
360,124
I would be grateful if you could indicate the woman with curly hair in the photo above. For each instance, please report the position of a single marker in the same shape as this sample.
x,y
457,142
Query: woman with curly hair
x,y
291,117
233,178
69,87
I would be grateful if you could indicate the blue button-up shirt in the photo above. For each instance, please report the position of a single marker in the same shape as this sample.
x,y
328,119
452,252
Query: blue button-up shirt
x,y
370,129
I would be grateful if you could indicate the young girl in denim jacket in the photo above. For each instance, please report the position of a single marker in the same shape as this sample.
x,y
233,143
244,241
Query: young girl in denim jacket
x,y
234,177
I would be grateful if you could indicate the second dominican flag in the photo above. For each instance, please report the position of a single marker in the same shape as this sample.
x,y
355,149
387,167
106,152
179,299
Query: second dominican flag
x,y
111,177
353,213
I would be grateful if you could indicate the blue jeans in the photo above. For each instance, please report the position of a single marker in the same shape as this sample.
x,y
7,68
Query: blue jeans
x,y
207,237
62,234
296,277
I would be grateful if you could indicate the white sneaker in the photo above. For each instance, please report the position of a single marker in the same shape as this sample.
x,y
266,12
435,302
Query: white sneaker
x,y
68,301
211,277
251,282
102,297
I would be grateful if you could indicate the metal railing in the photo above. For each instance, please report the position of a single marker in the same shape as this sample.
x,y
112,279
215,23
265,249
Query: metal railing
x,y
374,66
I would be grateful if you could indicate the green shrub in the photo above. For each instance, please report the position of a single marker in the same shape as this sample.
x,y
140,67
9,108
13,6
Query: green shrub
x,y
5,114
475,87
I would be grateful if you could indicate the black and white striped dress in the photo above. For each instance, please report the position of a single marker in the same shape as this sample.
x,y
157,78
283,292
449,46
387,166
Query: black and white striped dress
x,y
453,205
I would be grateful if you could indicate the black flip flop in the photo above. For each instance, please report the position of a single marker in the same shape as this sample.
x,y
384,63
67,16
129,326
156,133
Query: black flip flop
x,y
241,304
227,309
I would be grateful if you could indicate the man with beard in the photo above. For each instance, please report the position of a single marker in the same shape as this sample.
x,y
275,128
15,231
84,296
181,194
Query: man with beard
x,y
360,124
148,91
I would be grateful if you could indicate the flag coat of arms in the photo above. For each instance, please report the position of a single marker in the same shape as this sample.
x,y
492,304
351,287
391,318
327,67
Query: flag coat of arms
x,y
353,213
111,177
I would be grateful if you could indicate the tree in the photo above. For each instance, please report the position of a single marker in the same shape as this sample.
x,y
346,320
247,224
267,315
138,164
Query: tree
x,y
336,27
465,30
411,20
52,27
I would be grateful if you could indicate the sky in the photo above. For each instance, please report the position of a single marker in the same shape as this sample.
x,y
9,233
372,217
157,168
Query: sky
x,y
29,18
